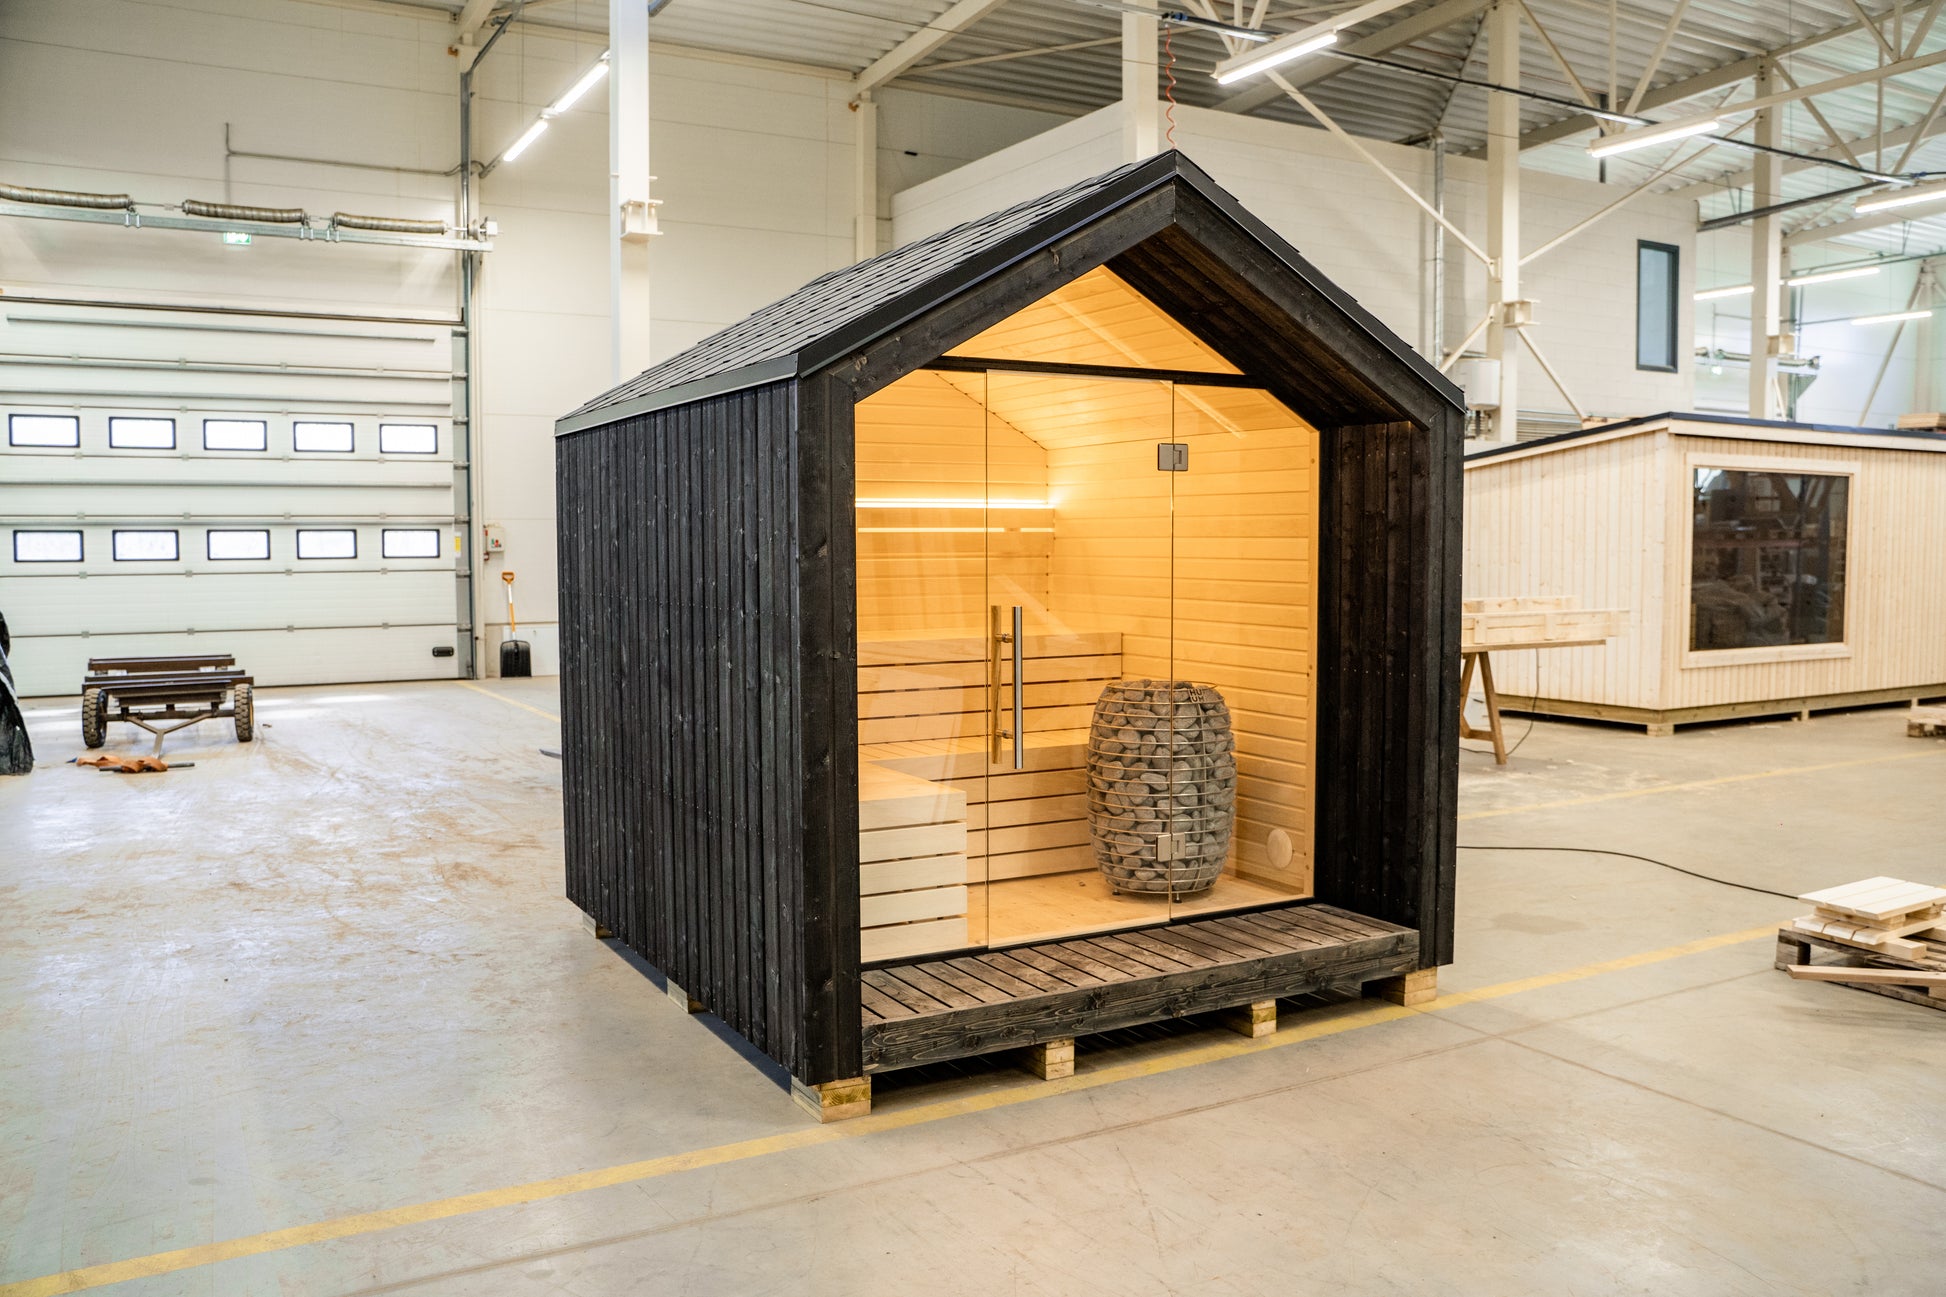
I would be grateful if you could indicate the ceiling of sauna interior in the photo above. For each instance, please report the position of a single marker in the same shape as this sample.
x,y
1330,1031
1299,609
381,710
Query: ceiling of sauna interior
x,y
1063,411
1097,319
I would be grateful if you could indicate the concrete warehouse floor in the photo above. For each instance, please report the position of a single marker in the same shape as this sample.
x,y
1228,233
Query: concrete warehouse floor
x,y
331,973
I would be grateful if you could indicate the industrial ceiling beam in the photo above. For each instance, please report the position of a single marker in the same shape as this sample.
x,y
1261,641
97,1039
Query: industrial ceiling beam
x,y
1854,225
1893,139
1378,43
908,52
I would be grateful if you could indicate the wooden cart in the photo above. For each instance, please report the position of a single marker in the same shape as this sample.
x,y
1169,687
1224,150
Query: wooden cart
x,y
165,694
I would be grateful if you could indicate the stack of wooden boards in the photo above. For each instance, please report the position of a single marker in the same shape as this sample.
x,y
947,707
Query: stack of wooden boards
x,y
1527,621
1925,722
1889,934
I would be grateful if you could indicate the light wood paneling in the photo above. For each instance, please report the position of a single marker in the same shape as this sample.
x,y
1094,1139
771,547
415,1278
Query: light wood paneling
x,y
1096,320
1607,521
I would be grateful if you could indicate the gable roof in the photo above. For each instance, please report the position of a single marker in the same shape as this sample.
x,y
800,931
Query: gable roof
x,y
1783,430
839,312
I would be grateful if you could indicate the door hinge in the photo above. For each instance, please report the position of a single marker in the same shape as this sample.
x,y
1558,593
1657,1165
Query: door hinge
x,y
1172,457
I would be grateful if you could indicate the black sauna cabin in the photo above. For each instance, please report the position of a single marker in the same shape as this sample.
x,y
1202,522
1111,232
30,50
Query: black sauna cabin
x,y
1042,628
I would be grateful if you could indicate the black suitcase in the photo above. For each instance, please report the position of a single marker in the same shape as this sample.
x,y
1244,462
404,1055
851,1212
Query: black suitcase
x,y
516,658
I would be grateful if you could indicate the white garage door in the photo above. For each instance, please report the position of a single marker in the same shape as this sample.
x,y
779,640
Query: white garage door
x,y
279,489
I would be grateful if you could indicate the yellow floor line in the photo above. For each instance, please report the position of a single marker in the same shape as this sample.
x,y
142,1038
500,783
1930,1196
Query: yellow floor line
x,y
1310,1026
1699,783
468,684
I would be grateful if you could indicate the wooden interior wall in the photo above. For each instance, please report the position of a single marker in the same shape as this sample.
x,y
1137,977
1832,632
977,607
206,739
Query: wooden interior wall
x,y
684,780
1587,521
1236,531
1895,601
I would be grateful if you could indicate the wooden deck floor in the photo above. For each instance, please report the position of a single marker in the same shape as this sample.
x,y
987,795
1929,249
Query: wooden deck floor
x,y
930,1010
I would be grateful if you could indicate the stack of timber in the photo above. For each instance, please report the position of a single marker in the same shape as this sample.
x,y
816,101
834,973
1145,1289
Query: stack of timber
x,y
1889,937
1927,420
1527,621
1925,722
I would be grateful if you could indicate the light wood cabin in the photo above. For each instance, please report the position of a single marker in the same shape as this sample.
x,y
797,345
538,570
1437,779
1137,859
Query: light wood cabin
x,y
1766,568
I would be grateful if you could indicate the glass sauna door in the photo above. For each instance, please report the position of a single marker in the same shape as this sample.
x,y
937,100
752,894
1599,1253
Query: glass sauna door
x,y
1086,611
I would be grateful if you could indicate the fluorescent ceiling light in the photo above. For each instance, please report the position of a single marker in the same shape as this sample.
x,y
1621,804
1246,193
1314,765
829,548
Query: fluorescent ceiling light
x,y
1902,198
1893,318
1276,54
519,146
1648,135
588,81
1831,276
1734,290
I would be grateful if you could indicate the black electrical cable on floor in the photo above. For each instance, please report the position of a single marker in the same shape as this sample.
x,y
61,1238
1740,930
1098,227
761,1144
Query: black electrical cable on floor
x,y
1630,855
1532,715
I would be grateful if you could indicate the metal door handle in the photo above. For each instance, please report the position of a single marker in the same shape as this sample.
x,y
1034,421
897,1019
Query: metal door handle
x,y
1020,711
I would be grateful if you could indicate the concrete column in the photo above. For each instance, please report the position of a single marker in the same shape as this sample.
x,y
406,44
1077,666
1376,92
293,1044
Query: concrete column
x,y
631,216
1503,208
864,235
1141,109
1766,259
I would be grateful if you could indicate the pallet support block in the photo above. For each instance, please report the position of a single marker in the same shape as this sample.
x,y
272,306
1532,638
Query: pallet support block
x,y
1412,988
834,1100
1051,1060
688,1003
1255,1019
595,929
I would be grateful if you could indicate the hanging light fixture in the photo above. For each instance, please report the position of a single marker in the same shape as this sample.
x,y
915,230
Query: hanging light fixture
x,y
1831,276
1273,55
586,82
1649,135
1902,198
1893,318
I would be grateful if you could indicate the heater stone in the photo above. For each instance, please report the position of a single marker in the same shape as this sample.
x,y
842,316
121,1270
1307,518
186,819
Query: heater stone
x,y
1162,786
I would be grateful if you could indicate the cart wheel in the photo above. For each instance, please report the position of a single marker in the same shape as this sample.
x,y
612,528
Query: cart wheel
x,y
94,725
246,718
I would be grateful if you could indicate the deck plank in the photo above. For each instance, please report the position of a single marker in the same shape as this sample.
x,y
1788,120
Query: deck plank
x,y
1157,963
1040,980
1054,967
997,978
916,976
919,1003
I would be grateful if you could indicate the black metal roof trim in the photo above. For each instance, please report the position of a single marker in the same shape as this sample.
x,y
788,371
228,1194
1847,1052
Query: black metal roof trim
x,y
1577,434
841,311
735,380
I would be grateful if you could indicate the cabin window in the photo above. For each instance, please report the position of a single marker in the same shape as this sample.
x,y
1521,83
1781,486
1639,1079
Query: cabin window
x,y
1656,267
1768,558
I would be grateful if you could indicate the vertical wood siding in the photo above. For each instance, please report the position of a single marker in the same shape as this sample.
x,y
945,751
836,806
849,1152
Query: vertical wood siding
x,y
1388,692
1591,522
684,707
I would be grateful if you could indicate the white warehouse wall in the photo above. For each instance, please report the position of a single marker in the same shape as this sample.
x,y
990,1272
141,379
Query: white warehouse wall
x,y
1358,229
754,162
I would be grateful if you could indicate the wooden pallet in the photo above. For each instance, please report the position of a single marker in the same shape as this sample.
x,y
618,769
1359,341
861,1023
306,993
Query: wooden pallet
x,y
1796,951
932,1010
1925,722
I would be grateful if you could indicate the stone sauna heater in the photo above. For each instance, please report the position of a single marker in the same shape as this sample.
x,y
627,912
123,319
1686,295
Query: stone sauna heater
x,y
1162,786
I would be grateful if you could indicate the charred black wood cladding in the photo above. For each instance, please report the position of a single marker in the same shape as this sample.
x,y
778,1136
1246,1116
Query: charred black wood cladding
x,y
698,615
1388,695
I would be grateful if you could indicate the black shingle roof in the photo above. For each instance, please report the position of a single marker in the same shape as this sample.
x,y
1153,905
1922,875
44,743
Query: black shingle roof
x,y
838,311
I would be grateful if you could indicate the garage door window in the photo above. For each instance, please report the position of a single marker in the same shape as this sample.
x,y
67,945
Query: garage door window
x,y
142,434
228,545
43,430
327,543
408,439
322,438
47,547
409,542
146,547
235,434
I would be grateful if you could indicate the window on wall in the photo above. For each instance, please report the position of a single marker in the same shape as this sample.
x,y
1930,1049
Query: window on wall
x,y
408,438
146,547
43,430
235,434
322,437
409,542
142,434
1768,558
1656,278
47,547
327,542
230,544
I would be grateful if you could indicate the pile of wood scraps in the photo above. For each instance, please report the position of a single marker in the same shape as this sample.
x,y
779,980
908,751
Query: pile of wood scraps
x,y
1888,935
132,765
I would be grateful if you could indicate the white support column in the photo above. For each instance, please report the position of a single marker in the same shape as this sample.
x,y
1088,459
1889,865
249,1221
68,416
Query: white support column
x,y
1503,210
1925,391
1141,66
1766,260
864,235
631,213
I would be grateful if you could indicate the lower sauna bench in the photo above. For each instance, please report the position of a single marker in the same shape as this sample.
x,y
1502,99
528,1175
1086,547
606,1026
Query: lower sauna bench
x,y
932,1010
